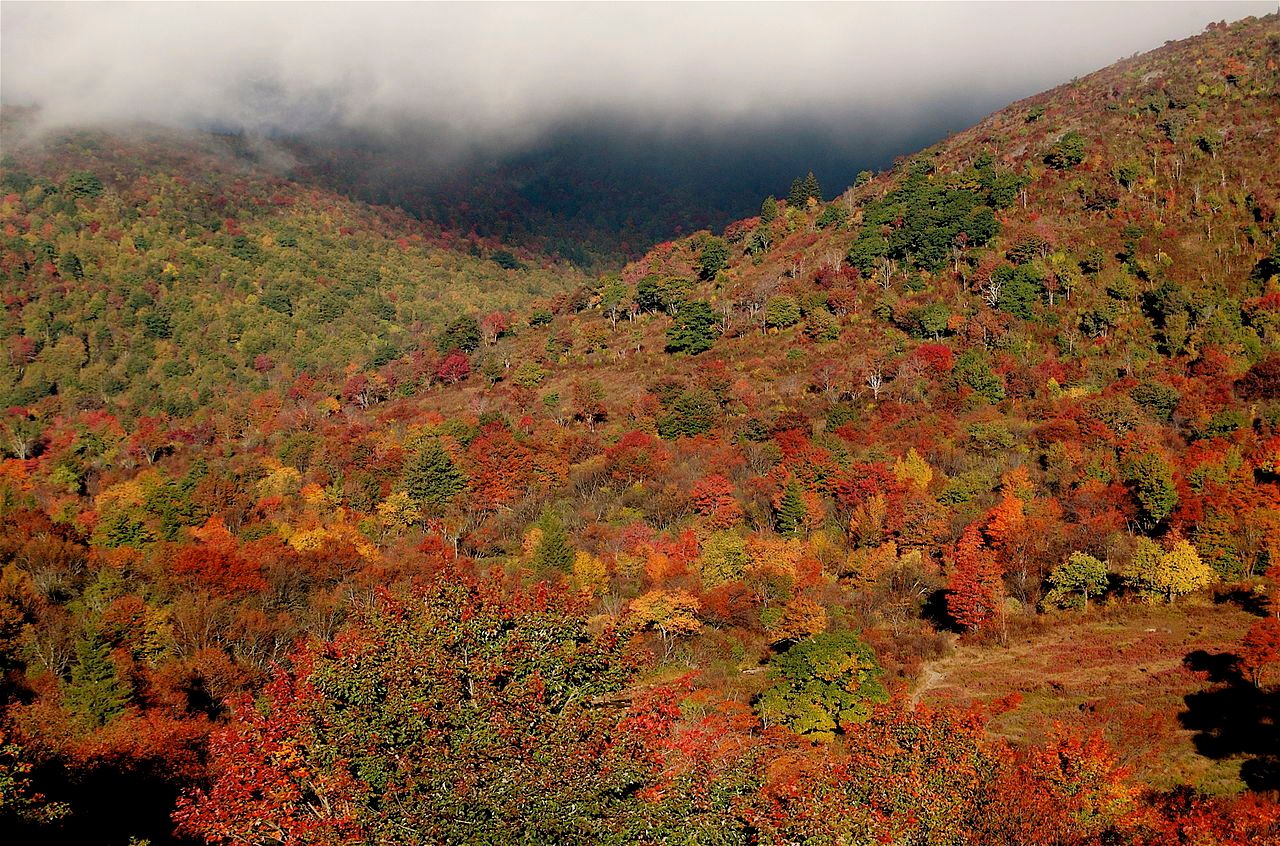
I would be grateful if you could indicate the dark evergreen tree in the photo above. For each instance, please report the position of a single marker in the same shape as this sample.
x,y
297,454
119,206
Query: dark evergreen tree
x,y
94,694
69,266
804,189
431,478
83,184
792,516
811,188
694,330
506,260
554,551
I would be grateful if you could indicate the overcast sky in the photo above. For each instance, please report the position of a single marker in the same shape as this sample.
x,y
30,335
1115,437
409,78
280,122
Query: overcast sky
x,y
507,71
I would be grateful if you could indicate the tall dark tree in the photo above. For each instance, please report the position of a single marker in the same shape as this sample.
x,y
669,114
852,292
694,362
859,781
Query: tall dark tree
x,y
95,693
792,515
694,330
462,333
714,258
431,478
802,190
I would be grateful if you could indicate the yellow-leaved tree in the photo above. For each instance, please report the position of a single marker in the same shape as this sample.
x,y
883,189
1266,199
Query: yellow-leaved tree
x,y
1154,572
589,573
913,470
672,614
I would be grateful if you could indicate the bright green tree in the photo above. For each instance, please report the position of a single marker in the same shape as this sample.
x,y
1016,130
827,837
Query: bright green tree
x,y
1075,580
822,684
769,210
781,312
973,370
1151,480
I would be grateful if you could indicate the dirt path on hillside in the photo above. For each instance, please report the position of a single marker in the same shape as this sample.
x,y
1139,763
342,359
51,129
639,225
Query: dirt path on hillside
x,y
929,680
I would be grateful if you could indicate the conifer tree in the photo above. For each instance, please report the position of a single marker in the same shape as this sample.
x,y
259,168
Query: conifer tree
x,y
792,514
554,551
796,197
431,478
811,188
769,210
95,694
802,190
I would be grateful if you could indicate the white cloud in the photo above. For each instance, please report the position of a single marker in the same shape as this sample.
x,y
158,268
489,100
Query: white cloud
x,y
508,71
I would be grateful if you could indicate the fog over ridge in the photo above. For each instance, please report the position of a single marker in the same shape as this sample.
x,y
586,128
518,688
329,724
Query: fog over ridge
x,y
681,114
507,71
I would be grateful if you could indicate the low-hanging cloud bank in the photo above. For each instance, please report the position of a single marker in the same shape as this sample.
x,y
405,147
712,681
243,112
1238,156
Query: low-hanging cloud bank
x,y
604,126
504,73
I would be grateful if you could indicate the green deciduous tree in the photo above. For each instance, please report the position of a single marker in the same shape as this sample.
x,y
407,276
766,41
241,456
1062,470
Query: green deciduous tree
x,y
822,684
972,369
1151,480
724,558
692,412
781,312
713,258
463,714
1068,152
462,333
1075,580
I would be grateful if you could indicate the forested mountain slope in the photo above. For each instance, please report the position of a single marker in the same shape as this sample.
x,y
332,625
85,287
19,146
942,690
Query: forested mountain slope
x,y
150,274
673,547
